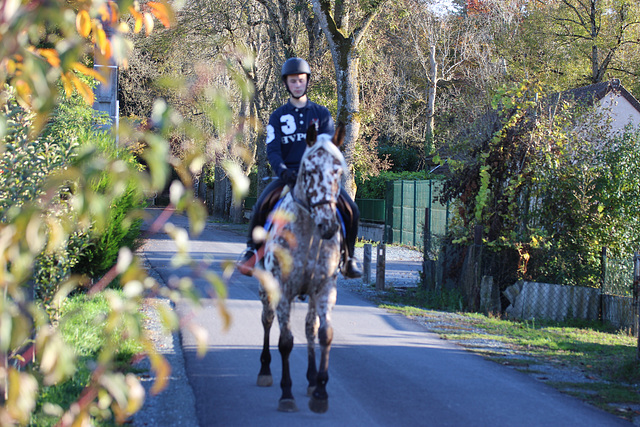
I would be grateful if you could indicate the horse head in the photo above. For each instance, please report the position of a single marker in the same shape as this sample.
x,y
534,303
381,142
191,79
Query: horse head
x,y
319,178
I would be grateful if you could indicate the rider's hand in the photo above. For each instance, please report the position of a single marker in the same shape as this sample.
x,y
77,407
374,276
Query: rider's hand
x,y
289,176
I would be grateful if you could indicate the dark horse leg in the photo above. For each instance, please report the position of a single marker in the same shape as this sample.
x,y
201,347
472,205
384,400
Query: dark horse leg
x,y
319,401
264,377
311,329
285,346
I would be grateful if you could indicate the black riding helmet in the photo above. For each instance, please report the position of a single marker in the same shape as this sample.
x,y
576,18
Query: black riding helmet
x,y
295,66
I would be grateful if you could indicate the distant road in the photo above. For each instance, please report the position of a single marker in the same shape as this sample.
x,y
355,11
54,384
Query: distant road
x,y
385,370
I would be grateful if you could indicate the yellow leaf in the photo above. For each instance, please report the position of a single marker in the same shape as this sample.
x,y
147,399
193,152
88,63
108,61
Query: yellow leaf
x,y
162,12
138,18
21,395
83,89
81,68
51,55
148,23
114,13
136,394
201,335
11,66
23,89
101,38
138,25
83,23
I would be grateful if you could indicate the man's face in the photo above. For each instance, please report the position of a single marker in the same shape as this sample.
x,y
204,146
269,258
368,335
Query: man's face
x,y
297,84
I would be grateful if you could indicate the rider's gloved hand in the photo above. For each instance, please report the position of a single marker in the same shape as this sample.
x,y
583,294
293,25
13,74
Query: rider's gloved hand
x,y
289,176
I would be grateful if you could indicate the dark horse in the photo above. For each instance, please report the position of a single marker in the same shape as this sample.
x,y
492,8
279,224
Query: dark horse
x,y
302,254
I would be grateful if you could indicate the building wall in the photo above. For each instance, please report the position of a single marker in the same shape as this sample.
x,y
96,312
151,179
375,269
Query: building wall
x,y
620,110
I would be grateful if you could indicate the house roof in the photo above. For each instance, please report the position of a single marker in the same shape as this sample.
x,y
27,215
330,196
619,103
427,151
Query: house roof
x,y
486,125
589,95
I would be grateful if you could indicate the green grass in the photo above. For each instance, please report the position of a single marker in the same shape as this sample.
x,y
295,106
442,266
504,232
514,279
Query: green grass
x,y
447,300
82,324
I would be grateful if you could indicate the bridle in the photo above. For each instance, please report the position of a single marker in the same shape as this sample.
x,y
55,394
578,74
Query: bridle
x,y
308,206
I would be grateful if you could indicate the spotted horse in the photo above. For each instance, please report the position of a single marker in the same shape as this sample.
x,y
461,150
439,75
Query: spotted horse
x,y
302,254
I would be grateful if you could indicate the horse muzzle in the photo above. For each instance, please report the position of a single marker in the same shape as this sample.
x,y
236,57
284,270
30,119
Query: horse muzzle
x,y
324,215
327,230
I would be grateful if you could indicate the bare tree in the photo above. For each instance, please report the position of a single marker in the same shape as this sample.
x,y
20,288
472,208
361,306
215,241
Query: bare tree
x,y
441,44
345,24
603,31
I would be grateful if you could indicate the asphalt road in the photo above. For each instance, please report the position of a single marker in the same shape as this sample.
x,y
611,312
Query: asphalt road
x,y
385,370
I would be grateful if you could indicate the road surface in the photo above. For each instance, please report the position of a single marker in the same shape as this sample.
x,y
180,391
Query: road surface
x,y
385,370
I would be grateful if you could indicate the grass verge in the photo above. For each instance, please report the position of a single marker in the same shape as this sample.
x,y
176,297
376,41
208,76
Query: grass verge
x,y
82,323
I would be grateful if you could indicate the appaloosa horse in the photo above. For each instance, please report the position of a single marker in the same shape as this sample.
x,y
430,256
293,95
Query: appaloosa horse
x,y
302,252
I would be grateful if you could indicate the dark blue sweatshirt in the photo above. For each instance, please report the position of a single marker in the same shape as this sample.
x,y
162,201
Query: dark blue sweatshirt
x,y
287,133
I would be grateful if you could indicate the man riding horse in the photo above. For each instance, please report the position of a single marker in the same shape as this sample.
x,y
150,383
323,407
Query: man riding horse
x,y
286,142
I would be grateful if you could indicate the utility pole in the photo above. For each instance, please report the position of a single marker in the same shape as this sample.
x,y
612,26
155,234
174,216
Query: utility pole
x,y
106,94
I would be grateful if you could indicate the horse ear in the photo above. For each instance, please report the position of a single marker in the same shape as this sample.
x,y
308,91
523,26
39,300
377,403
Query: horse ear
x,y
338,137
312,134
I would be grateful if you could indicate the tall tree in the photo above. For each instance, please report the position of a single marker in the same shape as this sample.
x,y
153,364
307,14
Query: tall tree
x,y
604,32
441,44
345,24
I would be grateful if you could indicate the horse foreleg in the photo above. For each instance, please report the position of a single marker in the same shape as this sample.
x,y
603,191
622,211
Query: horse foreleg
x,y
285,346
311,328
319,401
264,376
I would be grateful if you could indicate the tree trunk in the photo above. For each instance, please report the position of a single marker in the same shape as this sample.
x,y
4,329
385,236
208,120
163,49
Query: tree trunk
x,y
431,99
345,60
346,67
220,192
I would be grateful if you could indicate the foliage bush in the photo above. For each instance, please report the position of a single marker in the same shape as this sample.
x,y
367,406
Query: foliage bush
x,y
552,184
25,165
120,230
34,356
374,187
402,158
25,162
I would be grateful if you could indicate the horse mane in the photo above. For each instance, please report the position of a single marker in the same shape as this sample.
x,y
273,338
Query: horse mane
x,y
324,141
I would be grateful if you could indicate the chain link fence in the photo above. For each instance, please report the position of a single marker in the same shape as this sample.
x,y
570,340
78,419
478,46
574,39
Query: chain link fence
x,y
618,276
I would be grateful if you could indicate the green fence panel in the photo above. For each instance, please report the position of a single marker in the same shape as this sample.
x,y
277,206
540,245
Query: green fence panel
x,y
406,204
372,210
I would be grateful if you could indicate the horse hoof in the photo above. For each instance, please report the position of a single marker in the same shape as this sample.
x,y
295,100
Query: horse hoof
x,y
319,406
310,390
265,380
287,405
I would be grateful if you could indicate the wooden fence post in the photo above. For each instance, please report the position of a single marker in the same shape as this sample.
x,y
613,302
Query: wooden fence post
x,y
366,264
380,259
428,265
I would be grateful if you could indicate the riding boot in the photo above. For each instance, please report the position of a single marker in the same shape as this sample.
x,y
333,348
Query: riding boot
x,y
350,268
249,257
